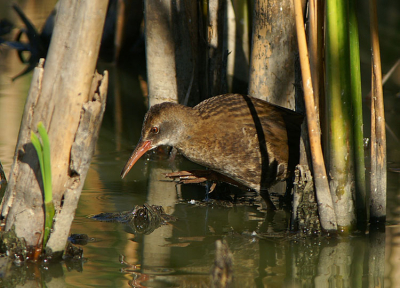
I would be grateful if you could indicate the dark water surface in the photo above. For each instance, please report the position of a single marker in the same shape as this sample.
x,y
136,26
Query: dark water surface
x,y
182,253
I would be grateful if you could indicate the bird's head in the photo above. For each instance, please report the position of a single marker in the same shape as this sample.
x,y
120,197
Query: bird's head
x,y
164,124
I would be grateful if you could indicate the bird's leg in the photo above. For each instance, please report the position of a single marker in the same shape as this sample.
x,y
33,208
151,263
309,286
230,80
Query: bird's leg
x,y
209,189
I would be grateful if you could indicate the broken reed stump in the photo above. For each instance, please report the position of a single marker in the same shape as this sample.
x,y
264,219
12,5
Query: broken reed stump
x,y
22,203
70,100
305,218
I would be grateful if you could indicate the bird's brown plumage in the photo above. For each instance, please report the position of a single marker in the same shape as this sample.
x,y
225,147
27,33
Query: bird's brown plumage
x,y
246,139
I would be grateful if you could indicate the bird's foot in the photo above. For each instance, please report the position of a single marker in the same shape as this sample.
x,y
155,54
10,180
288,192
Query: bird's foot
x,y
189,177
200,176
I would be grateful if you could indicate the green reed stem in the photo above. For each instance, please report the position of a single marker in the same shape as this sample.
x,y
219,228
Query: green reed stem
x,y
356,98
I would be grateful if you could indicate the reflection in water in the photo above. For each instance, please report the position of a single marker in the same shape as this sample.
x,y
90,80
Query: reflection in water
x,y
141,220
156,252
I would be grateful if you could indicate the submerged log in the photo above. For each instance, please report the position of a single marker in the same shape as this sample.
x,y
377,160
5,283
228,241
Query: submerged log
x,y
70,102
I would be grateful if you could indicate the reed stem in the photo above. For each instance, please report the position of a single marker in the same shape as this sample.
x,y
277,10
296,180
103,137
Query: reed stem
x,y
325,205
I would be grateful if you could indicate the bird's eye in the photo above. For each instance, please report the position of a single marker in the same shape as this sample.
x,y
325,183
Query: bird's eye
x,y
154,130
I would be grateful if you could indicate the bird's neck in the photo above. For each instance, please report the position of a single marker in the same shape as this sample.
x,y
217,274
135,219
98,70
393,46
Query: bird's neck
x,y
185,123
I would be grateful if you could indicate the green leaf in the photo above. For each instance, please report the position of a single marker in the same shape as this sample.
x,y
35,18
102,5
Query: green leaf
x,y
43,152
39,150
48,195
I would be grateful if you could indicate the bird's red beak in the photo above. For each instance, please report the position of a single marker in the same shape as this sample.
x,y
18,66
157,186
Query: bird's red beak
x,y
141,148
